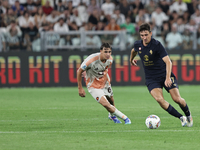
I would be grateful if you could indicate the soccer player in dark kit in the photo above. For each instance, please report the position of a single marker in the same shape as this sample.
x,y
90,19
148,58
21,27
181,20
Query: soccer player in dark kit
x,y
157,67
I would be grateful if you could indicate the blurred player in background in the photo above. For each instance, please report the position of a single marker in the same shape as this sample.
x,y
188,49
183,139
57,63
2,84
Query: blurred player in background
x,y
157,67
98,81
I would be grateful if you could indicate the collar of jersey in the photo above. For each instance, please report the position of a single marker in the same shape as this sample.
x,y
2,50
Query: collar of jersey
x,y
100,60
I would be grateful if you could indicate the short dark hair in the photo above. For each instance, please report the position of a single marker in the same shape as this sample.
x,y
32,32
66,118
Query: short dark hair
x,y
145,26
105,45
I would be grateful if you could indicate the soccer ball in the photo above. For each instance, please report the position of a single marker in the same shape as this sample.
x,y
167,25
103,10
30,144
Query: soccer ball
x,y
153,122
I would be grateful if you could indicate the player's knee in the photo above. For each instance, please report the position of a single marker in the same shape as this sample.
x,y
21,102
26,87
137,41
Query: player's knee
x,y
110,108
178,100
160,100
106,105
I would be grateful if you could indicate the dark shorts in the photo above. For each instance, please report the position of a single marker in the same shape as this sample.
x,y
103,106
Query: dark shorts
x,y
160,83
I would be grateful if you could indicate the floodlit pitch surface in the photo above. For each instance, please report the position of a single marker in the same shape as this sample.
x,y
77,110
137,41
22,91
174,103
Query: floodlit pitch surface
x,y
57,118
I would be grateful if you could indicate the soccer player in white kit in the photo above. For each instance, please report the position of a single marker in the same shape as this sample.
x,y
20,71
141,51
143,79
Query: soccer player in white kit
x,y
98,81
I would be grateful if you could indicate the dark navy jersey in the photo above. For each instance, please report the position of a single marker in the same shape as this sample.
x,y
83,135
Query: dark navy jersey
x,y
151,57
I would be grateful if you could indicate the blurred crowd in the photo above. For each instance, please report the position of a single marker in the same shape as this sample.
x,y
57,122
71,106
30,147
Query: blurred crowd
x,y
174,23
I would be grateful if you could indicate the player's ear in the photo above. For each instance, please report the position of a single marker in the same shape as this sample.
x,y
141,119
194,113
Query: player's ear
x,y
101,49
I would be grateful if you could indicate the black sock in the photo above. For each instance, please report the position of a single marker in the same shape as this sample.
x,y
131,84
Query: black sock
x,y
171,110
186,110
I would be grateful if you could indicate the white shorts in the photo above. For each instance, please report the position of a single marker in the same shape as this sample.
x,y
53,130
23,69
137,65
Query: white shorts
x,y
98,93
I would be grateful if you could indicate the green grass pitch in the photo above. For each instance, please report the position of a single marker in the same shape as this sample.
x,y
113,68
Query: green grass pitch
x,y
58,119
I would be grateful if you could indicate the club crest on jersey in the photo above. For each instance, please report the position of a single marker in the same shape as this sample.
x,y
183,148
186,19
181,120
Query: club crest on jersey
x,y
97,98
151,52
146,58
140,48
106,67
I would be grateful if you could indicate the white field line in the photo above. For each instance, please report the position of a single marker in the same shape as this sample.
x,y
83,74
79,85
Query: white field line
x,y
52,108
38,108
42,120
75,119
127,131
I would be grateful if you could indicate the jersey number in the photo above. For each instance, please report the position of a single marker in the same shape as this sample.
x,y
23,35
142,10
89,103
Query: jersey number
x,y
172,78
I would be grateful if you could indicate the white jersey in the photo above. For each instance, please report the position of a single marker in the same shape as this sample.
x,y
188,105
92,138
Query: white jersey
x,y
96,71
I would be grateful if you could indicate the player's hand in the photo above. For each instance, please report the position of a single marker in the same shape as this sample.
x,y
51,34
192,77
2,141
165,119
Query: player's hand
x,y
81,92
84,74
168,82
134,62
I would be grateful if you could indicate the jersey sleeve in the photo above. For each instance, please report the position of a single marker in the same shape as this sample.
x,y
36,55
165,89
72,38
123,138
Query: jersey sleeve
x,y
85,65
88,61
161,50
135,47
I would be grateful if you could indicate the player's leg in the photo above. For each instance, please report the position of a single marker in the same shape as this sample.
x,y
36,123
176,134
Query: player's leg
x,y
155,89
183,105
111,101
157,94
104,102
114,111
111,115
99,95
174,92
109,95
179,100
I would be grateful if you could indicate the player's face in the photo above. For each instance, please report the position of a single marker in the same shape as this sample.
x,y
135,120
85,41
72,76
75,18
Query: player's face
x,y
105,53
146,37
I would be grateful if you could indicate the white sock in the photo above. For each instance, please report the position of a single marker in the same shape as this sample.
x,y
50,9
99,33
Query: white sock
x,y
111,114
119,114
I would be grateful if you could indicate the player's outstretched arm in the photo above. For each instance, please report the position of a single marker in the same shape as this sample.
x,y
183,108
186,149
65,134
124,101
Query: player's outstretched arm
x,y
81,91
132,56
